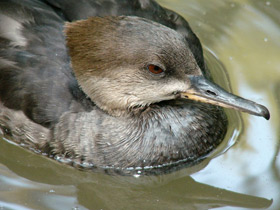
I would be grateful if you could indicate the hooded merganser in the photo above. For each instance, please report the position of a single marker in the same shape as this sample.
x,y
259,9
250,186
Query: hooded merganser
x,y
121,85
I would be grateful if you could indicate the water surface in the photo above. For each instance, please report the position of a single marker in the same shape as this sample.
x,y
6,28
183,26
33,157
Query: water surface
x,y
241,36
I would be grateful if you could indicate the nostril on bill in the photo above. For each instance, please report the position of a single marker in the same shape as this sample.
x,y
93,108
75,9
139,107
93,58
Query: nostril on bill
x,y
209,92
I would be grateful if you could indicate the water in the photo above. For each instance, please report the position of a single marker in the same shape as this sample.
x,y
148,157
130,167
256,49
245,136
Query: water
x,y
240,36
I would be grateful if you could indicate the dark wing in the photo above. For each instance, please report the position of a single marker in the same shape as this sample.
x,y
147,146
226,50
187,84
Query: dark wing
x,y
35,72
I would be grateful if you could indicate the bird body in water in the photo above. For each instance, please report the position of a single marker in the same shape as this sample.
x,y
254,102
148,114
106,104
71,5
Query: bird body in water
x,y
121,85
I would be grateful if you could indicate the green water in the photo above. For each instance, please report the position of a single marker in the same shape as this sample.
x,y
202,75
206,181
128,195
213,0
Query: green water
x,y
241,36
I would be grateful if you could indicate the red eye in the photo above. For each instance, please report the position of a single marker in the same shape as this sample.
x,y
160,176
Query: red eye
x,y
154,69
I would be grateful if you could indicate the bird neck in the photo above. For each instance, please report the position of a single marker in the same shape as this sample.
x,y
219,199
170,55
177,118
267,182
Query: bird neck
x,y
161,134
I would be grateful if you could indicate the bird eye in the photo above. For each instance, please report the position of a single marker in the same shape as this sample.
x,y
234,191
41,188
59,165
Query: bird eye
x,y
154,69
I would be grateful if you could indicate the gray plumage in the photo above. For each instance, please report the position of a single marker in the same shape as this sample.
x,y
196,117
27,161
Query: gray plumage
x,y
103,108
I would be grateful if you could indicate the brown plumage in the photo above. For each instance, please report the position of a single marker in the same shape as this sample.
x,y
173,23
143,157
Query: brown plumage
x,y
119,93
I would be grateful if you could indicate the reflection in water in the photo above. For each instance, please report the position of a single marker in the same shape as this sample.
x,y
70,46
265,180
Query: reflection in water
x,y
49,185
244,36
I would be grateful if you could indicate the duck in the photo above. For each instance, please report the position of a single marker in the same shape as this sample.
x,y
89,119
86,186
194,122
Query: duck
x,y
108,84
